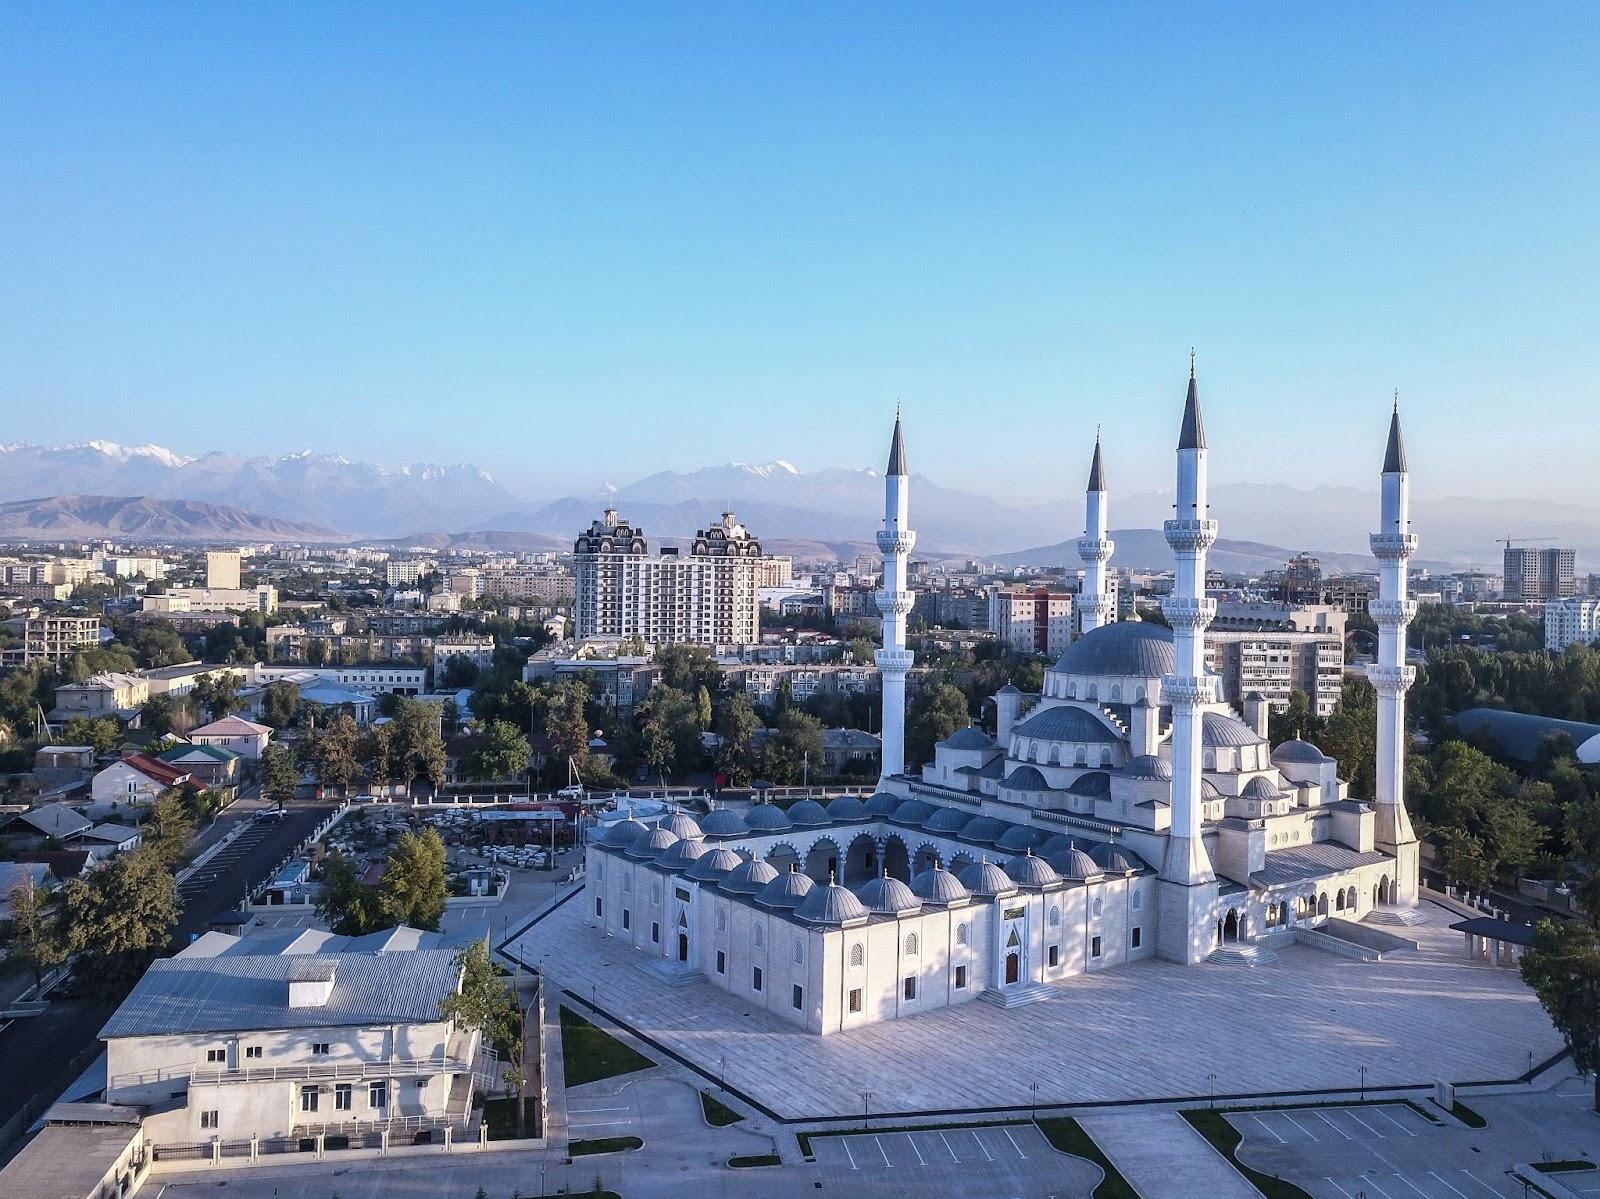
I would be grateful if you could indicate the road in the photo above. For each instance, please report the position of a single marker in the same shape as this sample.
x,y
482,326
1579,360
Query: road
x,y
42,1048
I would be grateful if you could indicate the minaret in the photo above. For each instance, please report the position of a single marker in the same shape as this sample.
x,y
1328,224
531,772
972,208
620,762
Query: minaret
x,y
1392,546
1187,931
1094,550
895,540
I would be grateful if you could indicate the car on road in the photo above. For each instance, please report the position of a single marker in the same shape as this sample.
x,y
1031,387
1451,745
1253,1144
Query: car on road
x,y
572,792
271,815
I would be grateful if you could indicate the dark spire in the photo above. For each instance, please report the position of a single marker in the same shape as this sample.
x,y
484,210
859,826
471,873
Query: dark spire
x,y
1097,472
897,448
1193,434
1394,457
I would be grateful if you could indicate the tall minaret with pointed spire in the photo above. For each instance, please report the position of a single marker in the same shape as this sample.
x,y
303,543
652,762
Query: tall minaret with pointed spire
x,y
1392,546
895,540
1094,603
1187,932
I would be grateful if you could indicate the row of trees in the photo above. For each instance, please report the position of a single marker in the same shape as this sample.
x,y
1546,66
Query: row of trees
x,y
412,891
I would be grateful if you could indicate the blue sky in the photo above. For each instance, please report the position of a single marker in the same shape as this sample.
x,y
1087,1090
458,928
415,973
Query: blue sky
x,y
579,243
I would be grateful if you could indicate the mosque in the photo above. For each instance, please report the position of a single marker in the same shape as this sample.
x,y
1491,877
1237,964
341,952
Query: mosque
x,y
1122,813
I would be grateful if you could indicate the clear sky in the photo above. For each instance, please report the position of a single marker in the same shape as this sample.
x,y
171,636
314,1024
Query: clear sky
x,y
578,243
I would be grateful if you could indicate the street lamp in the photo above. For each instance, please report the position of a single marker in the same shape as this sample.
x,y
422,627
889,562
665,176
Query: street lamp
x,y
1211,1082
866,1097
722,1073
1363,1084
1034,1087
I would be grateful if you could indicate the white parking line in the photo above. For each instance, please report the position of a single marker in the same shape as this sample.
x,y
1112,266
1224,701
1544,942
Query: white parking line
x,y
845,1141
1483,1184
1334,1126
1269,1130
1302,1127
1372,1181
987,1156
599,1123
1412,1185
1014,1144
946,1141
1337,1187
915,1150
879,1144
1395,1122
590,1111
1365,1125
1457,1190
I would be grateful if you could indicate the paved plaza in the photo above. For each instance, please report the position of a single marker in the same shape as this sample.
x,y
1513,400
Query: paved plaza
x,y
1309,1020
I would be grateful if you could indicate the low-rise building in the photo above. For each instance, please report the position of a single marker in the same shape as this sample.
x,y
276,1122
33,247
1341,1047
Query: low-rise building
x,y
137,780
243,737
54,637
108,694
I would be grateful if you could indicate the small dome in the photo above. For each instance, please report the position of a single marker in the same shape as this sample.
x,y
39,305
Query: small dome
x,y
1008,689
1065,723
1095,785
883,804
984,829
1298,751
651,844
1074,864
830,904
709,867
985,878
889,897
938,885
1029,871
1025,778
912,811
681,854
1018,838
808,812
1056,844
1116,859
748,877
1226,732
723,822
1126,648
785,891
622,833
767,818
846,807
1259,788
1148,766
681,826
971,737
947,820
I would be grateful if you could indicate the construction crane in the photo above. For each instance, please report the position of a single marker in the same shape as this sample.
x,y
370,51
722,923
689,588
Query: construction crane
x,y
1508,542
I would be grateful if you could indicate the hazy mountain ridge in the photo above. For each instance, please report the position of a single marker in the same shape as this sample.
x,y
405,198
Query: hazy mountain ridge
x,y
80,517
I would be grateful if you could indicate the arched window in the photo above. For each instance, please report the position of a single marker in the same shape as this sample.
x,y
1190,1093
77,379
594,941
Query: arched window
x,y
799,952
1055,917
857,954
1116,693
1092,693
1099,906
599,865
759,936
722,920
961,934
627,883
911,943
1138,900
1081,758
1210,760
1105,757
655,892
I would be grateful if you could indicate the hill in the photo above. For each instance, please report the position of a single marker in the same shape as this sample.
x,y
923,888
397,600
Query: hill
x,y
79,517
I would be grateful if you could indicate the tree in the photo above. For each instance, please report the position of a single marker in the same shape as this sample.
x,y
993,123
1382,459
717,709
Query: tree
x,y
280,704
164,714
1350,736
736,729
702,709
1563,968
939,710
413,888
484,1001
218,693
168,828
500,751
119,919
794,749
380,752
1463,858
1297,722
331,751
156,645
24,690
459,671
418,745
35,937
566,723
101,734
669,730
280,774
347,905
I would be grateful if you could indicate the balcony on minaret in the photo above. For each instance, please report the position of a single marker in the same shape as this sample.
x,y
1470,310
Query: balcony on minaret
x,y
1187,612
1189,535
895,603
895,541
1187,691
1392,614
1391,680
894,661
1388,547
1092,549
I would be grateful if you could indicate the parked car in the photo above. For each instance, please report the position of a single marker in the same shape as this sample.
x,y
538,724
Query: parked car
x,y
574,791
271,815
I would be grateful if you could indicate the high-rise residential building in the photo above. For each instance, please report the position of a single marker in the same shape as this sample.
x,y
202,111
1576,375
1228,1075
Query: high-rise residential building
x,y
54,638
403,572
709,596
1353,593
529,582
1032,619
775,570
222,570
1276,662
1539,572
1302,580
1574,620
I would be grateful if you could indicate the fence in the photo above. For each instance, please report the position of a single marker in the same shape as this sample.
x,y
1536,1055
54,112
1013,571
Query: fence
x,y
319,1139
306,842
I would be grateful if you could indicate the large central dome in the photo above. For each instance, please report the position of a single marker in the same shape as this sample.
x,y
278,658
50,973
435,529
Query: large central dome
x,y
1127,648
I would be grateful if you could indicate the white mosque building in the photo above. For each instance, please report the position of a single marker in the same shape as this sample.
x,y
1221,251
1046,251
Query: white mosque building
x,y
1124,812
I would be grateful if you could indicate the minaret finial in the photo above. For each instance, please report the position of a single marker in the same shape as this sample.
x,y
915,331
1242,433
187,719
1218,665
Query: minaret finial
x,y
1191,362
1397,401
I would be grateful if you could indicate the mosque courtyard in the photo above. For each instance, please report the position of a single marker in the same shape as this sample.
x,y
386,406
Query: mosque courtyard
x,y
1310,1020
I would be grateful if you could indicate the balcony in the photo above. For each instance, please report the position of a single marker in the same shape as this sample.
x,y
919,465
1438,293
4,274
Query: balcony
x,y
332,1071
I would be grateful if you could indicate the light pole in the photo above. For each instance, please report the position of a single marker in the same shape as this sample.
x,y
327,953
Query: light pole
x,y
1211,1083
1034,1087
805,769
866,1098
1363,1084
722,1073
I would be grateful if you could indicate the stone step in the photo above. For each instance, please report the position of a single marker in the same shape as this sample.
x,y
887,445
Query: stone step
x,y
1242,955
1018,996
1392,915
674,974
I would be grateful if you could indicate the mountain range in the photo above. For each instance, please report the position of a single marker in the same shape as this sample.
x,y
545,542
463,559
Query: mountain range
x,y
812,513
82,517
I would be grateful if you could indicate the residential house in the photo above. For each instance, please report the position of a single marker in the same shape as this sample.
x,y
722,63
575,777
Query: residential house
x,y
243,737
211,766
54,821
107,694
23,874
136,780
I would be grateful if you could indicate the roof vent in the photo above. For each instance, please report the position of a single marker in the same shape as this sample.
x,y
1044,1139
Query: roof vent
x,y
310,984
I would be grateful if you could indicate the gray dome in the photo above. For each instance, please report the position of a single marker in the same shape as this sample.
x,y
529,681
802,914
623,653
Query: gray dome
x,y
830,904
1096,785
709,867
889,896
883,804
651,844
1064,723
971,737
767,818
912,811
723,822
1056,844
1018,838
1259,788
785,891
681,854
984,828
1117,859
1074,863
985,878
846,807
809,812
623,833
1224,731
1029,871
1008,689
1126,647
947,820
1025,778
681,825
1298,751
1148,766
938,885
748,877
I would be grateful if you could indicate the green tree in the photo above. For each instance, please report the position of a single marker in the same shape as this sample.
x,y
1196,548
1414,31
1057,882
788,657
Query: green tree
x,y
1563,968
459,671
119,918
346,904
794,750
567,724
418,743
736,729
280,774
1350,736
218,693
669,731
331,751
168,827
26,689
162,715
702,709
280,704
379,751
1463,858
157,645
500,751
939,710
484,1001
414,888
101,734
1297,722
35,937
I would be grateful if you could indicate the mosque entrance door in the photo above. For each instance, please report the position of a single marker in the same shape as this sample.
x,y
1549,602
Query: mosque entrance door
x,y
1013,967
1230,927
683,947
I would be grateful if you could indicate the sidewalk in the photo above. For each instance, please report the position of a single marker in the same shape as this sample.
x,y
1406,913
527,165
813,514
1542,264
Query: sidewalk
x,y
1163,1158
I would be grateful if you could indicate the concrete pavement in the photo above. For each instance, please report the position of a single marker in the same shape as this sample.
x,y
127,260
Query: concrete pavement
x,y
1163,1157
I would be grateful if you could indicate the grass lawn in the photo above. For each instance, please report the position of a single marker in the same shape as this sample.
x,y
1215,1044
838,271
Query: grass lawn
x,y
718,1114
501,1117
590,1054
1225,1138
1467,1116
750,1162
1564,1167
604,1145
1067,1135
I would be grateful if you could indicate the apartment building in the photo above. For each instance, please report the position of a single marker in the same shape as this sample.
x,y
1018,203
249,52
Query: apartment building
x,y
775,570
1539,573
1574,620
529,584
53,638
404,572
222,570
1032,619
1276,662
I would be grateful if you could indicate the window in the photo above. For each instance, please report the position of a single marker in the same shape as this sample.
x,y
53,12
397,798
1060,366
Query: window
x,y
627,918
216,1055
321,1048
1099,906
599,907
1054,955
858,955
855,999
209,1119
1055,917
755,978
655,892
961,934
909,988
961,978
627,883
799,998
911,944
759,936
252,1051
377,1094
722,962
1094,948
722,920
1138,900
308,1099
655,932
1138,934
341,1097
799,952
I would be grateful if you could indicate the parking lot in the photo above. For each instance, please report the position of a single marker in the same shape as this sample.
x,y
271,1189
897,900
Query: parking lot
x,y
1377,1121
934,1147
594,1117
226,861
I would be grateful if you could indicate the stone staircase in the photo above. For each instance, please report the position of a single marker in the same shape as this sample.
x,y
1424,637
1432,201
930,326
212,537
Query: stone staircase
x,y
1391,915
1242,955
674,974
1019,996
